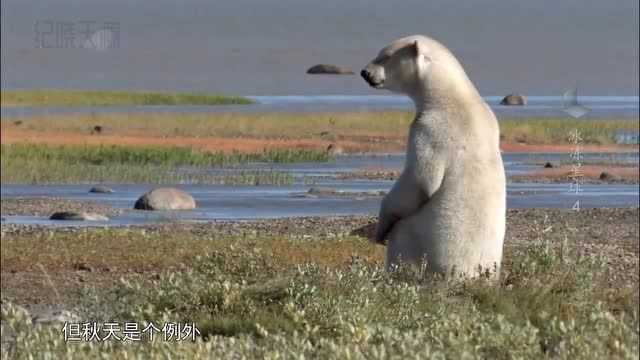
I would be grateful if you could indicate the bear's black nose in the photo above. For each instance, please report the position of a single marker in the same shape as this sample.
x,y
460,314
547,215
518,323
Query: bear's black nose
x,y
364,74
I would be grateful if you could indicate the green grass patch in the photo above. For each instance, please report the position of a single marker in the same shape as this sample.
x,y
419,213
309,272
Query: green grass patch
x,y
559,131
34,163
251,300
51,97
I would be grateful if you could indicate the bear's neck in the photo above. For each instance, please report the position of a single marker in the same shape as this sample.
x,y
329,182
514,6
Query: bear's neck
x,y
444,90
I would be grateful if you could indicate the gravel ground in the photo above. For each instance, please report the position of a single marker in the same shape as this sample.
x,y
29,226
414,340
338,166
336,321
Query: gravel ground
x,y
45,206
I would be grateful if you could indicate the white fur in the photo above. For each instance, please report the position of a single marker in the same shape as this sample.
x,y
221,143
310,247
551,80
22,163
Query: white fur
x,y
449,205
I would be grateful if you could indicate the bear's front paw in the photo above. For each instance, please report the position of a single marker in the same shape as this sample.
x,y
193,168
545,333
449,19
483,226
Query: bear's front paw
x,y
379,236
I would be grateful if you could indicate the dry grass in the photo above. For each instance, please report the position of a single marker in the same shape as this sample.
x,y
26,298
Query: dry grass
x,y
251,125
136,250
249,132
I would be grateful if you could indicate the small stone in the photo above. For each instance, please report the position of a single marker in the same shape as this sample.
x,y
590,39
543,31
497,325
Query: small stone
x,y
548,165
334,149
99,189
77,216
514,99
329,69
55,316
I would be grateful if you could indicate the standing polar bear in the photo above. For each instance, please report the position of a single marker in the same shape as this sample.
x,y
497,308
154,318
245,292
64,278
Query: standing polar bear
x,y
448,207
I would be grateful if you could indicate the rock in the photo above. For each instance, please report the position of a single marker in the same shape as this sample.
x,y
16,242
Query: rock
x,y
607,176
334,149
514,99
78,216
320,191
101,190
53,316
96,129
165,199
548,165
329,69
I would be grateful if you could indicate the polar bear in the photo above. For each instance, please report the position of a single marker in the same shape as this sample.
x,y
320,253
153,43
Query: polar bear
x,y
447,210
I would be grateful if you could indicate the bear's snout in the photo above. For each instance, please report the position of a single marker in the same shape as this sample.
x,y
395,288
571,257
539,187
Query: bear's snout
x,y
365,75
369,78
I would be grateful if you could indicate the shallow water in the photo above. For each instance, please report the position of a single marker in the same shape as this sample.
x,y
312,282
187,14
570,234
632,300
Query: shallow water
x,y
538,106
225,203
264,47
217,202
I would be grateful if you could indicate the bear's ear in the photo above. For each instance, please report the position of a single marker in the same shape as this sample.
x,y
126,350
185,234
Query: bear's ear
x,y
419,48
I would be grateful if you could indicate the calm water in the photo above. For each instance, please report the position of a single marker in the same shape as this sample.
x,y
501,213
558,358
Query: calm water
x,y
252,47
250,202
538,106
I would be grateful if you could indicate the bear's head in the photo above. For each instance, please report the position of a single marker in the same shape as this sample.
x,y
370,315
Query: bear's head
x,y
417,66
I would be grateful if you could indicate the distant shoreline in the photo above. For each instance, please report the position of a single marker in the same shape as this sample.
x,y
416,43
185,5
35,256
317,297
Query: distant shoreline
x,y
74,98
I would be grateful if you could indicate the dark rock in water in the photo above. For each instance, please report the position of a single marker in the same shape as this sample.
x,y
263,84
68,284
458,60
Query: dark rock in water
x,y
320,191
165,199
606,176
101,190
548,165
77,216
329,69
514,99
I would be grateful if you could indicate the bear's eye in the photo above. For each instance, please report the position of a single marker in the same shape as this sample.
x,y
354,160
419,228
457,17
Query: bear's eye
x,y
381,59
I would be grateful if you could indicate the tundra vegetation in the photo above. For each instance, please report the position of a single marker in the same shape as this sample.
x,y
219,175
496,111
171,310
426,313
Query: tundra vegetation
x,y
38,164
265,296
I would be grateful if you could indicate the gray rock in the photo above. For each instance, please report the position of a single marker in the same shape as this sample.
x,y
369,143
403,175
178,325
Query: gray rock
x,y
514,99
52,316
78,216
165,199
320,191
329,69
101,190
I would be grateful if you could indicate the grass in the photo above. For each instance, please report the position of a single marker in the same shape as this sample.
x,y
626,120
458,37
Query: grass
x,y
52,97
35,163
555,131
252,125
259,296
355,126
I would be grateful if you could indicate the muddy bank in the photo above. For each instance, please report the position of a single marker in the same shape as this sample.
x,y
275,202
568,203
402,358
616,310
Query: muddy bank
x,y
589,174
